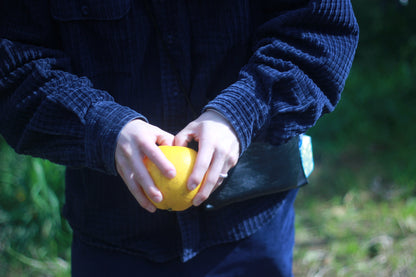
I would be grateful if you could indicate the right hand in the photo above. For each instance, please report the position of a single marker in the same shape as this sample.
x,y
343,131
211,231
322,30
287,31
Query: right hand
x,y
138,139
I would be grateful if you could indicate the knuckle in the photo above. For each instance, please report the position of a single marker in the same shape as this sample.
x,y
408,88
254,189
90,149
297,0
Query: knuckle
x,y
194,124
134,189
139,177
152,155
222,150
150,194
203,164
211,180
141,144
191,126
124,150
232,161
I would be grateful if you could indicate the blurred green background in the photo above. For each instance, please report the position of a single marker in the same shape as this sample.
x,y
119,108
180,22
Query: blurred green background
x,y
357,217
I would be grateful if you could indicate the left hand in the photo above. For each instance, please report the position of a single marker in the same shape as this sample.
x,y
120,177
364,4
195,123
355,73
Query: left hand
x,y
219,150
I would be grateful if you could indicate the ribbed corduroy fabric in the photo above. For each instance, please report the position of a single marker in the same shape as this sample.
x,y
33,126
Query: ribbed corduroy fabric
x,y
73,73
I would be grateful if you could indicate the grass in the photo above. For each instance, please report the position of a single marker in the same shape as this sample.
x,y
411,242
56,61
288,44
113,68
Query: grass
x,y
357,217
361,232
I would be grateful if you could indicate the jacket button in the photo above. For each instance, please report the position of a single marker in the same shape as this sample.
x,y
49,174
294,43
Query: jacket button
x,y
170,39
85,10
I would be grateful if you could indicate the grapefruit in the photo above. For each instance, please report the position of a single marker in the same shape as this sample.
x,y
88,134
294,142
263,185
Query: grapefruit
x,y
176,196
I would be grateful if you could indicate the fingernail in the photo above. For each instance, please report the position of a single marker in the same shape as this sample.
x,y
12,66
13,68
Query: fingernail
x,y
158,198
197,202
171,173
151,209
193,186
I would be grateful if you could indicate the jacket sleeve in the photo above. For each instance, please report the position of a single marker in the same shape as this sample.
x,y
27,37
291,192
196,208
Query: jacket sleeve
x,y
45,111
300,62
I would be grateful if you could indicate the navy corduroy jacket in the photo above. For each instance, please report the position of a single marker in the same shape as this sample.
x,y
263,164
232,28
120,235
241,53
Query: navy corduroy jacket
x,y
73,73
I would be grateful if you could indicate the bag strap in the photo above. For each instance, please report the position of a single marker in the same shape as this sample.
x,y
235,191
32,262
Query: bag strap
x,y
171,61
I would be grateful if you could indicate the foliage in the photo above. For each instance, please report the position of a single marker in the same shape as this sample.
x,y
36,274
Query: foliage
x,y
356,235
373,120
33,236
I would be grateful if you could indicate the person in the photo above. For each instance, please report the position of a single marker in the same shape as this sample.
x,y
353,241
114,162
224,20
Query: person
x,y
98,85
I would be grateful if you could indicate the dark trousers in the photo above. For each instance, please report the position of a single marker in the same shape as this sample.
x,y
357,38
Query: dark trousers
x,y
268,252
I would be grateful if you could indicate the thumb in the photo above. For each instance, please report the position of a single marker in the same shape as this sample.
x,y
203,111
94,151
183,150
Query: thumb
x,y
183,138
165,138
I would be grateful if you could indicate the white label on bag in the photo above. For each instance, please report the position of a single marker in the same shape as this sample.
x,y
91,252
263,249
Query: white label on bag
x,y
306,154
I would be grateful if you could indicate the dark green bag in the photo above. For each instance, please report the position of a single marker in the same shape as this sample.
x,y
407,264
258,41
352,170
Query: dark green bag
x,y
263,169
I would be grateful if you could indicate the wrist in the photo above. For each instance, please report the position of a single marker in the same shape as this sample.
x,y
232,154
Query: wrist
x,y
104,122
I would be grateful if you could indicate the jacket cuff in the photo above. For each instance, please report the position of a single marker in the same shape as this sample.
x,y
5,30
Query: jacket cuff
x,y
243,109
104,121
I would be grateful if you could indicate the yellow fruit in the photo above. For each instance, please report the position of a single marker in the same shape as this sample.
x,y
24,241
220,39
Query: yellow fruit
x,y
176,196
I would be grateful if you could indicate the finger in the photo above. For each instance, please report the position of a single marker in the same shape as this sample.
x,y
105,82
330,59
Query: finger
x,y
135,172
202,163
145,181
164,138
159,159
221,179
140,196
210,181
183,137
136,190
